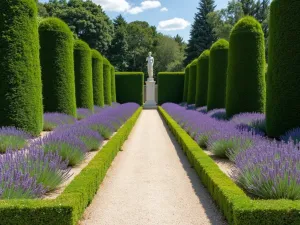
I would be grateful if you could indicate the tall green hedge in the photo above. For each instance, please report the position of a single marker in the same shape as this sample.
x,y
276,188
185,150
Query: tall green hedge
x,y
98,91
246,86
113,84
192,82
202,79
218,62
130,87
20,74
57,63
283,79
186,83
83,75
107,81
170,87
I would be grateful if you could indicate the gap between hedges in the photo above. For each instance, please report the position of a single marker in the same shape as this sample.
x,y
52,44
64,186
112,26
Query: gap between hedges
x,y
235,205
68,208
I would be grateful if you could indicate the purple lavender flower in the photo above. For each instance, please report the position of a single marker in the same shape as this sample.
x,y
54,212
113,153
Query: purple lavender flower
x,y
83,113
218,114
12,138
202,109
53,120
250,121
293,135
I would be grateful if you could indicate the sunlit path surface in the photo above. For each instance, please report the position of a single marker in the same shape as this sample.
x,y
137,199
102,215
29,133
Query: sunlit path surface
x,y
151,182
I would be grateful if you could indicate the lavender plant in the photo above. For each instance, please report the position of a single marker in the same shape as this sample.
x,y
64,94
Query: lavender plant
x,y
250,121
293,135
53,120
83,113
12,138
218,114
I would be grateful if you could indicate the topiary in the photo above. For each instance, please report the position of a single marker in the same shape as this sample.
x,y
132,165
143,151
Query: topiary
x,y
107,81
98,90
202,79
246,87
218,62
83,75
283,95
20,87
113,84
186,83
192,82
57,63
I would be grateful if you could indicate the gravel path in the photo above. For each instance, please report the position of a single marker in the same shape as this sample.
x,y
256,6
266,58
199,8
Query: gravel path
x,y
151,182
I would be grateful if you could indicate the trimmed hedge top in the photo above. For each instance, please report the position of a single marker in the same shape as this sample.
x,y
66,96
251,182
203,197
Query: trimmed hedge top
x,y
194,62
54,24
130,73
248,24
96,55
81,45
220,44
171,73
204,55
105,61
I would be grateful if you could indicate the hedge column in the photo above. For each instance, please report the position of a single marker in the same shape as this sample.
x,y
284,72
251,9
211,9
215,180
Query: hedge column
x,y
246,87
192,82
57,63
98,92
113,84
186,83
20,75
107,81
202,79
218,62
83,75
283,83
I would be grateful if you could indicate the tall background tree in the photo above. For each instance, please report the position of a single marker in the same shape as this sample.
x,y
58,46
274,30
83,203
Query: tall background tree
x,y
201,36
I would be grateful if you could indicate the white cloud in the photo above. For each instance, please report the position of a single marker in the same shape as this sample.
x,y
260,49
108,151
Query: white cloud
x,y
164,9
173,24
150,4
135,10
114,5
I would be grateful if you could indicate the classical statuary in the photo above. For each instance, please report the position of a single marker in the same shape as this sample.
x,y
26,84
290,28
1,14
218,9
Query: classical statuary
x,y
150,65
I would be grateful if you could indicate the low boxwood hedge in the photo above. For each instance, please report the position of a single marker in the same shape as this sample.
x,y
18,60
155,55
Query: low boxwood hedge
x,y
236,206
68,208
130,87
170,87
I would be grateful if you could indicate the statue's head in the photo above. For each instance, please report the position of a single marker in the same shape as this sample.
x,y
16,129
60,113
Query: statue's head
x,y
150,53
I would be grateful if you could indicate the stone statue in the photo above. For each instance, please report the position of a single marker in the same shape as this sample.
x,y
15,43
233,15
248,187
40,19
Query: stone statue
x,y
150,65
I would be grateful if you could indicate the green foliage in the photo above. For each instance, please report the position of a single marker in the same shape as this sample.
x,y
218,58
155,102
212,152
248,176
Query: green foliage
x,y
202,36
246,87
218,62
130,87
86,19
170,87
186,83
68,208
97,67
83,75
107,81
282,110
191,97
235,205
57,63
20,75
202,79
113,84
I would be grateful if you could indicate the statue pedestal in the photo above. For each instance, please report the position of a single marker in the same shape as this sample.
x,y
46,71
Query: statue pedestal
x,y
150,94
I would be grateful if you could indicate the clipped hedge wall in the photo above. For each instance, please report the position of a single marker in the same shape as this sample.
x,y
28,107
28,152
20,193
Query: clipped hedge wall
x,y
57,63
236,206
202,79
107,81
97,67
170,87
20,74
130,87
218,62
68,208
192,82
83,75
186,83
283,95
113,84
246,86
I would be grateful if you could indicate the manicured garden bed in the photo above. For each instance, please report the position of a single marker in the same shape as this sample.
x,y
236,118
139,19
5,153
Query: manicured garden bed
x,y
68,207
235,204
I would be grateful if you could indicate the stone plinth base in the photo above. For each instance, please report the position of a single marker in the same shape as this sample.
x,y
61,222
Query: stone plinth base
x,y
150,94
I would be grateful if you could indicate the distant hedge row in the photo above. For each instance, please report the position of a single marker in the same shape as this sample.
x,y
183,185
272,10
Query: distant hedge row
x,y
42,69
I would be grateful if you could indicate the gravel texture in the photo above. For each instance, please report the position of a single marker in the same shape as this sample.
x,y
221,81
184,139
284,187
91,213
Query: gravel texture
x,y
151,182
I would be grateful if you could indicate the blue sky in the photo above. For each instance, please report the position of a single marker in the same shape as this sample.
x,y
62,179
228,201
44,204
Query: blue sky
x,y
169,16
